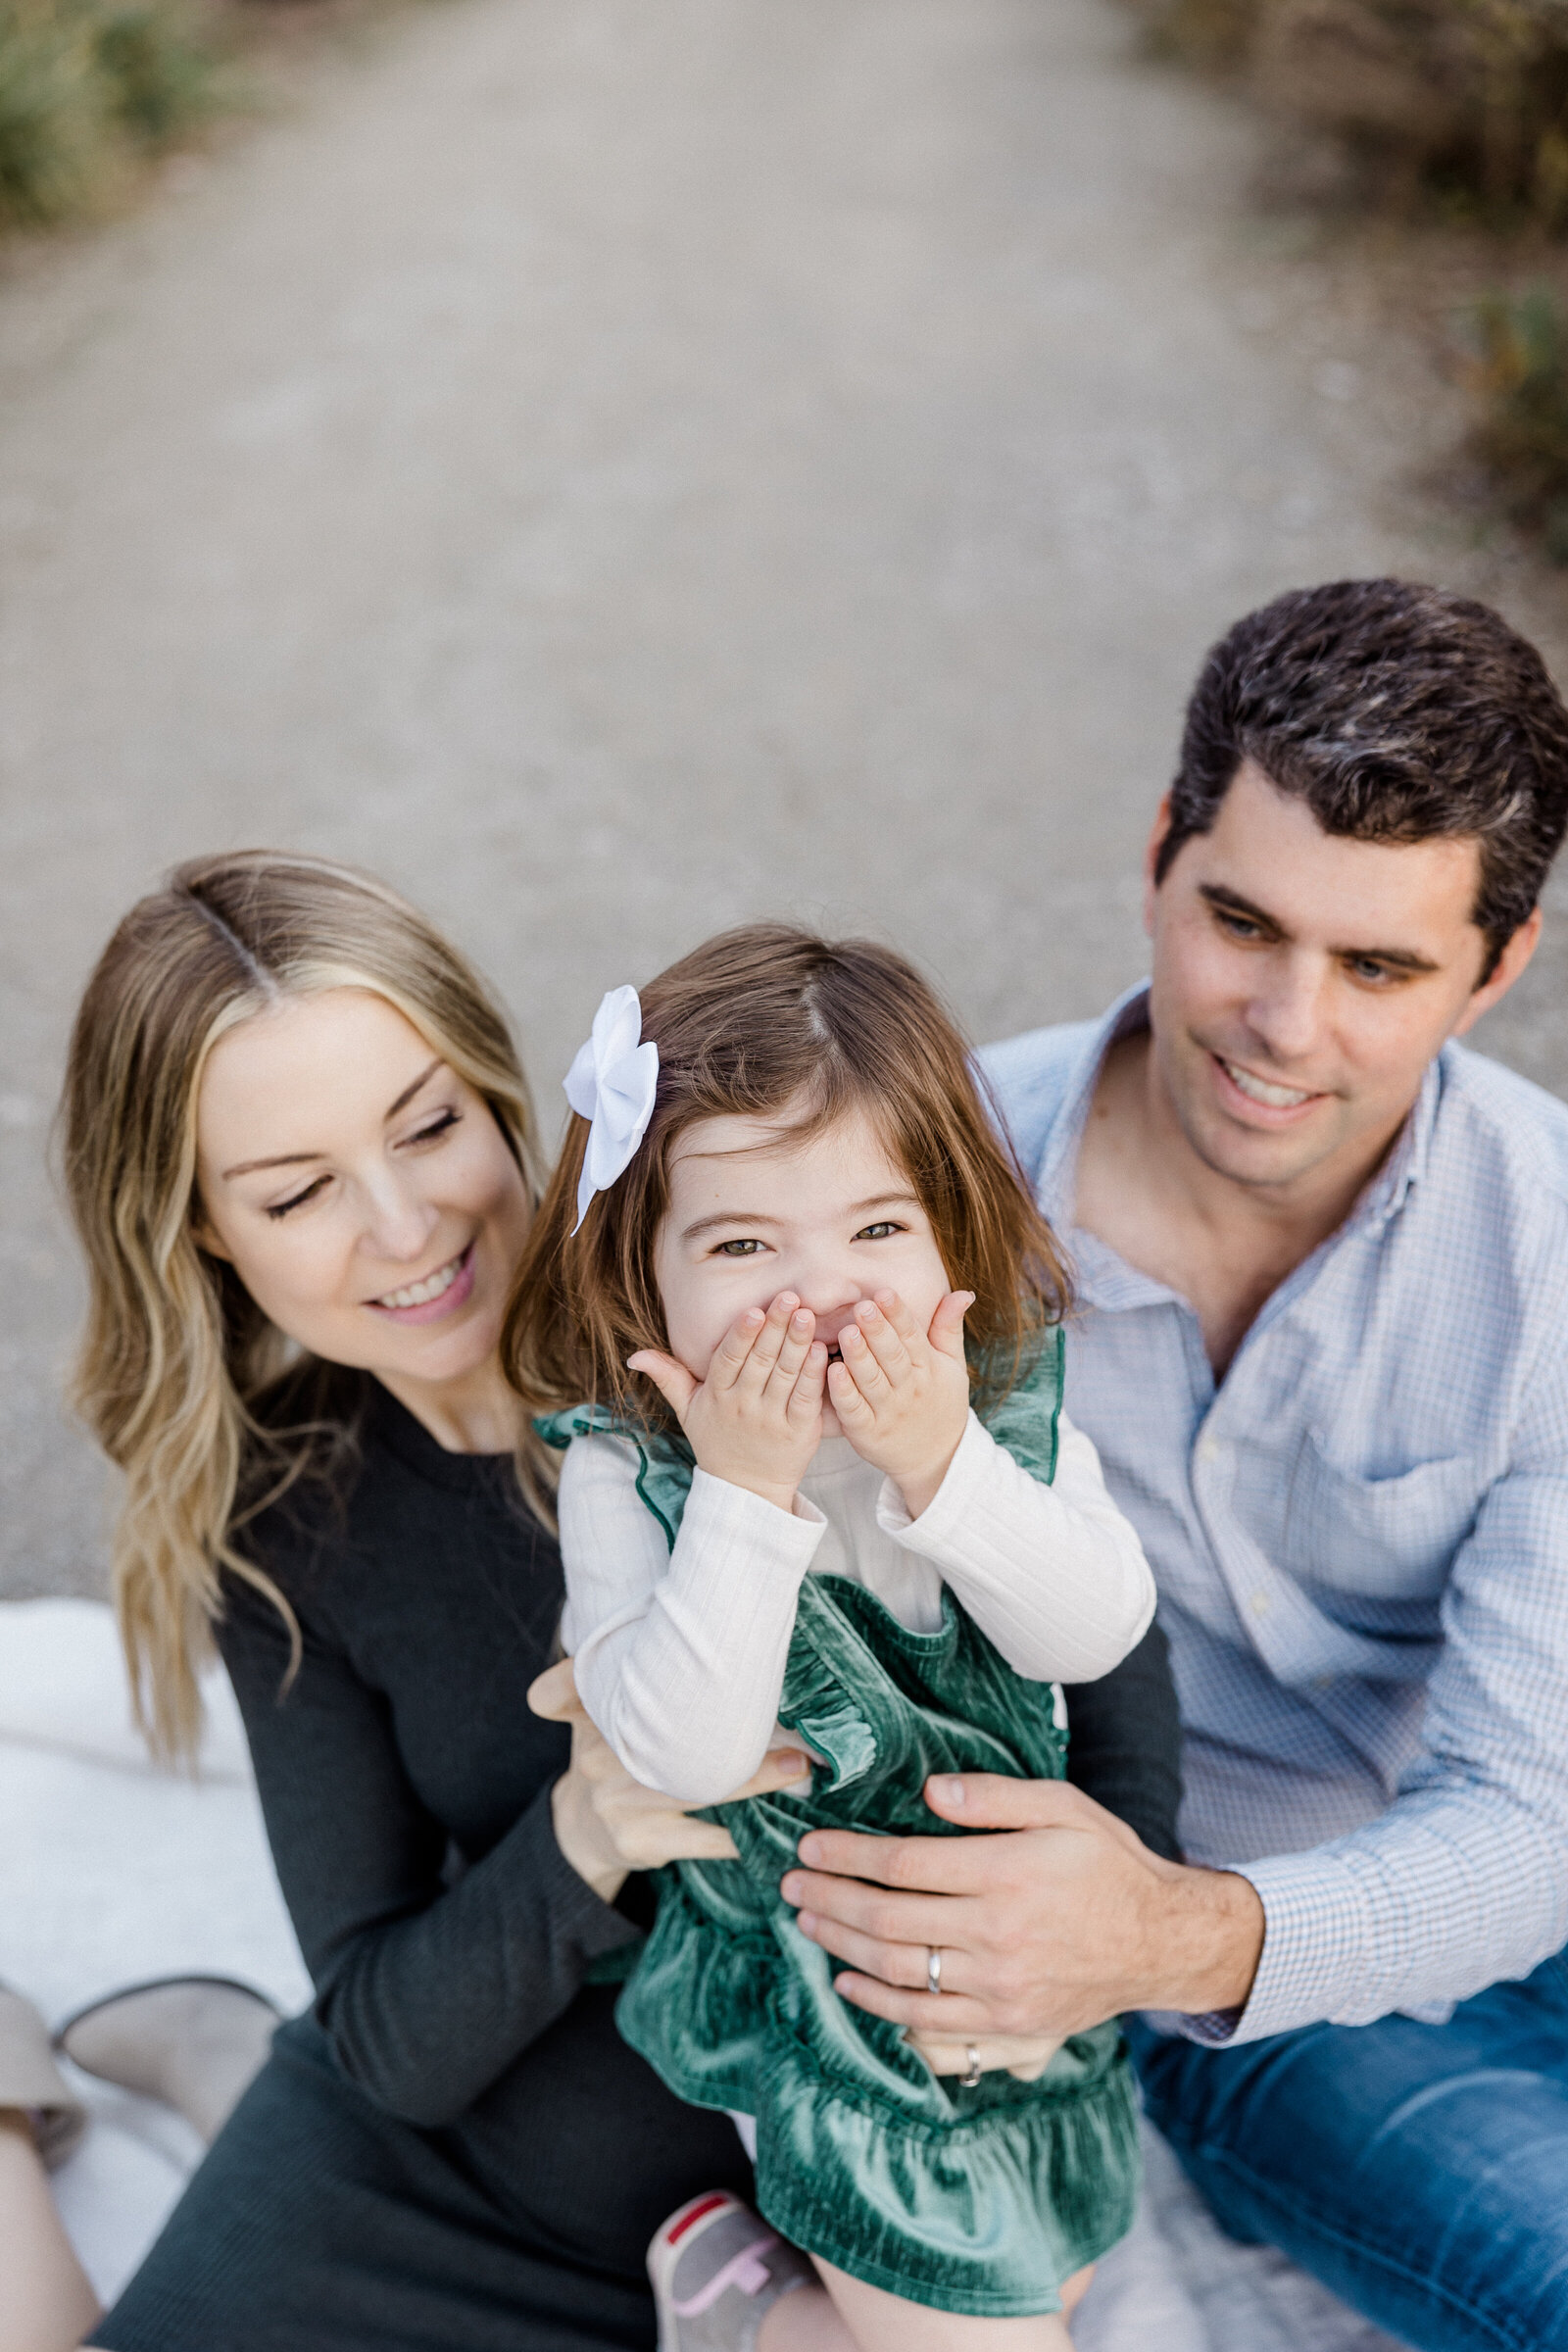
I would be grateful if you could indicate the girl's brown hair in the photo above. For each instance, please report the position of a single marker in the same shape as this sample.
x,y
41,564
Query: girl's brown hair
x,y
179,1366
770,1022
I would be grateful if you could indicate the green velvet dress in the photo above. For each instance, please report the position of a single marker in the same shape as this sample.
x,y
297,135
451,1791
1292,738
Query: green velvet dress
x,y
977,2200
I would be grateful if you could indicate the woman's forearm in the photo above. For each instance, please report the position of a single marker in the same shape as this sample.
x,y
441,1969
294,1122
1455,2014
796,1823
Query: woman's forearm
x,y
427,2012
429,1988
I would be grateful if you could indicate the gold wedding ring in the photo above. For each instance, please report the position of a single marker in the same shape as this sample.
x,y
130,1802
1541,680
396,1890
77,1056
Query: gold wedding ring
x,y
933,1969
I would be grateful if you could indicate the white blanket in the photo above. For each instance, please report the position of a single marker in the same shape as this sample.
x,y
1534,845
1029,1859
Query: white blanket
x,y
111,1873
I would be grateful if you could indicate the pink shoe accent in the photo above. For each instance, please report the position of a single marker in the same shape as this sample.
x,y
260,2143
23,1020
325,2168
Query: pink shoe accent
x,y
745,2271
690,2215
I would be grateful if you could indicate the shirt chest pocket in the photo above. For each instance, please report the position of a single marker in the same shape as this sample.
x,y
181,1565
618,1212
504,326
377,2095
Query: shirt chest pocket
x,y
1392,1536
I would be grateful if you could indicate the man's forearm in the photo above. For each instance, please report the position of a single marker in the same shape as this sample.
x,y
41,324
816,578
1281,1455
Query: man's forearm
x,y
1205,1942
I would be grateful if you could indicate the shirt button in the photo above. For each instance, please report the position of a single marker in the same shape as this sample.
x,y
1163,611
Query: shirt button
x,y
1209,1450
1259,1604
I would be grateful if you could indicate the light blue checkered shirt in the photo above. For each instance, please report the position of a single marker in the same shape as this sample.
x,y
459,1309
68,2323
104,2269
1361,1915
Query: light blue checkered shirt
x,y
1360,1540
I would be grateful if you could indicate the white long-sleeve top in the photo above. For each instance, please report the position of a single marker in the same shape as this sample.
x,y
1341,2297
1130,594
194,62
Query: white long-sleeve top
x,y
680,1652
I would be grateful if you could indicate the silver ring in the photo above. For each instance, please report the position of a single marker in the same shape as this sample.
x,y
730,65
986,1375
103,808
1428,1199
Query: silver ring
x,y
933,1969
973,2075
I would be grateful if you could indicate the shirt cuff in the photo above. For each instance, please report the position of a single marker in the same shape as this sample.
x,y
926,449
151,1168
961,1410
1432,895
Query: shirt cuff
x,y
949,1506
788,1539
1311,1962
1214,2030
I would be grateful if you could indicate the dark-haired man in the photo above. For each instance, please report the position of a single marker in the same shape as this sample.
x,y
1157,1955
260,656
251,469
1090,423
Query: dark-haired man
x,y
1323,1259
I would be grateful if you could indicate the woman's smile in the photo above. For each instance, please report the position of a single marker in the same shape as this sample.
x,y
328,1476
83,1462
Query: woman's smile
x,y
433,1295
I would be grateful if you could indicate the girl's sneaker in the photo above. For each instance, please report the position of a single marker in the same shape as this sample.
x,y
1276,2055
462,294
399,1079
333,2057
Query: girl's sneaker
x,y
715,2267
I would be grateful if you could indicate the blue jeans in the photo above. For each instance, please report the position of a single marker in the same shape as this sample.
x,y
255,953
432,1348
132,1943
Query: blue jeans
x,y
1421,2172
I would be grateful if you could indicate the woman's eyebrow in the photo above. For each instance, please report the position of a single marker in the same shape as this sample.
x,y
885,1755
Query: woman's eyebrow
x,y
409,1091
284,1160
298,1159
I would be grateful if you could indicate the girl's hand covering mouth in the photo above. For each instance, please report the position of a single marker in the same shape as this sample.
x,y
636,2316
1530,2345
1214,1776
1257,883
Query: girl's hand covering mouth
x,y
901,1394
757,1419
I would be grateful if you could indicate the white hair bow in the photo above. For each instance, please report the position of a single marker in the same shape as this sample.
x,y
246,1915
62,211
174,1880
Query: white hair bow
x,y
611,1085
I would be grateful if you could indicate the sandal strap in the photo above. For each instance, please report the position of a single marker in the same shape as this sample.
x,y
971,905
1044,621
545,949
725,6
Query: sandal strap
x,y
29,2080
123,1993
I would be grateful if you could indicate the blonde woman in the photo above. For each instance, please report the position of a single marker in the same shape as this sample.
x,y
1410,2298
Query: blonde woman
x,y
301,1159
302,1163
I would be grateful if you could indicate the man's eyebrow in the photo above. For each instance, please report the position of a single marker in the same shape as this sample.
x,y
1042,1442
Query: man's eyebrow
x,y
1404,959
1231,902
300,1159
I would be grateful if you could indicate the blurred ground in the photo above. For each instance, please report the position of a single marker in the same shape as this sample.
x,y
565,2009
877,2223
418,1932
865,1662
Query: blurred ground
x,y
617,469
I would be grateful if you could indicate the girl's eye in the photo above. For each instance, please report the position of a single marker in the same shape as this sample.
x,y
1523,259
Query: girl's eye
x,y
440,1125
738,1250
282,1208
878,1233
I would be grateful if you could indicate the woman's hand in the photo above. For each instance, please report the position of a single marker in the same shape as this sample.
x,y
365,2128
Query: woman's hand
x,y
1024,2055
606,1824
902,1395
757,1419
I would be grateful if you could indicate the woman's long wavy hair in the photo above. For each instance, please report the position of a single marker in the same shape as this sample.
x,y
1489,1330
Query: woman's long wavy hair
x,y
179,1365
771,1022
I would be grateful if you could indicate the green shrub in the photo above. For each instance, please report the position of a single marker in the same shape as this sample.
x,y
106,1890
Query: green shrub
x,y
1472,95
1521,374
85,85
159,71
52,112
1208,32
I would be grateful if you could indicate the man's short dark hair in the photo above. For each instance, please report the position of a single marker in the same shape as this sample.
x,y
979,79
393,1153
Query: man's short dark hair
x,y
1398,714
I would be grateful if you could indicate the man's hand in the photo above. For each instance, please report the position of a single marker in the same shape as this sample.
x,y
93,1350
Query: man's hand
x,y
1047,1931
606,1824
902,1395
757,1419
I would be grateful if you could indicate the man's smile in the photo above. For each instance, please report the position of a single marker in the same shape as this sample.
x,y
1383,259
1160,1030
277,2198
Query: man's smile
x,y
1266,1093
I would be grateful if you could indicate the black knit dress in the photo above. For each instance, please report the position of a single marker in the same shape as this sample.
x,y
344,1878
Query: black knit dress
x,y
454,2151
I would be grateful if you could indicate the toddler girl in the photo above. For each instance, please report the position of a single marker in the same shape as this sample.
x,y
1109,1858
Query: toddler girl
x,y
836,1493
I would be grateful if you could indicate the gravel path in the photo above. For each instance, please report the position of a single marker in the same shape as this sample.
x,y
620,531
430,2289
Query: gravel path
x,y
617,469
